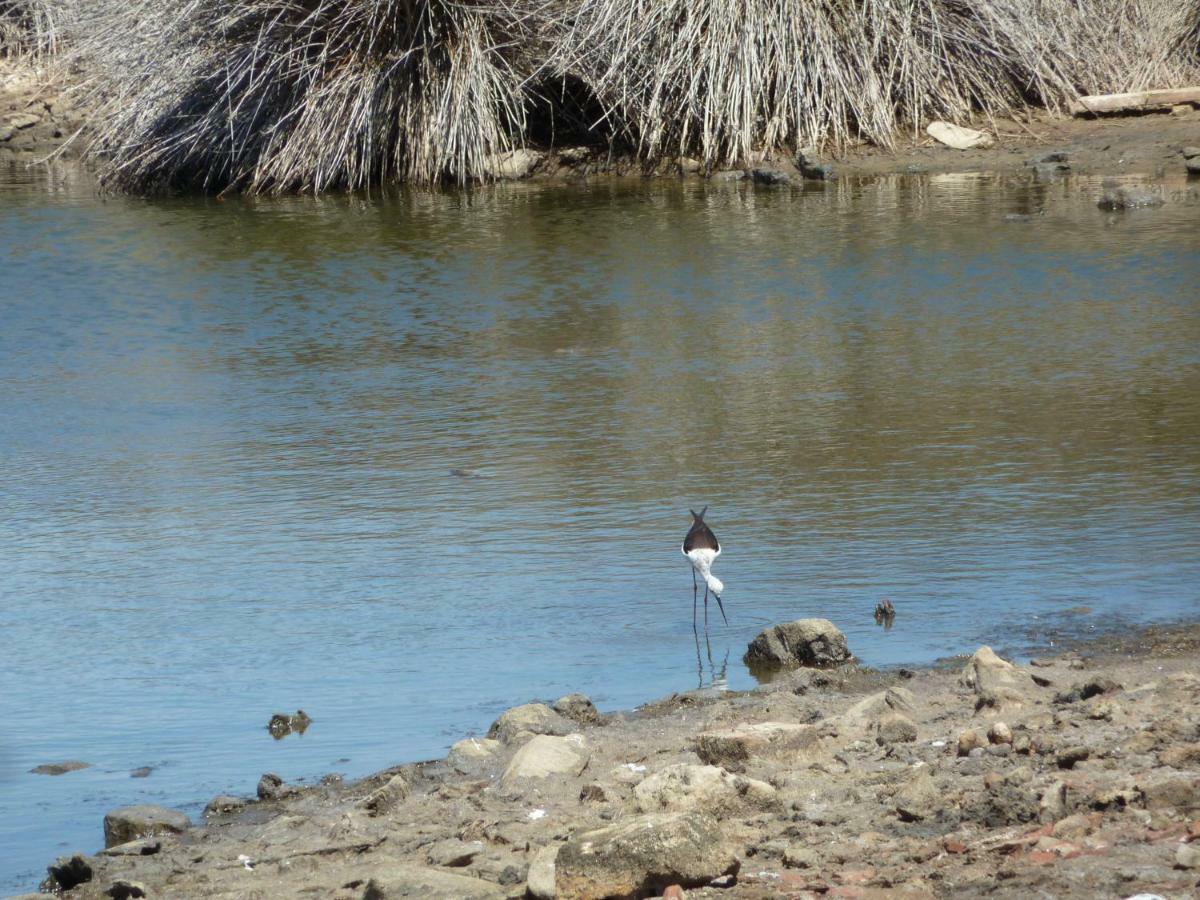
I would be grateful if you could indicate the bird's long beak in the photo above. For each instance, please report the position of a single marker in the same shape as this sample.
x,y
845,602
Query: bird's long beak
x,y
721,606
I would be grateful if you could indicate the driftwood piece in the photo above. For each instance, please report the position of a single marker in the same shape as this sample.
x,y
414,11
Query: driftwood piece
x,y
1105,103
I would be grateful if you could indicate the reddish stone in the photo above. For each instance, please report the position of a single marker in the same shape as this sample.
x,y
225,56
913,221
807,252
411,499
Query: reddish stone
x,y
1194,831
954,845
674,892
856,876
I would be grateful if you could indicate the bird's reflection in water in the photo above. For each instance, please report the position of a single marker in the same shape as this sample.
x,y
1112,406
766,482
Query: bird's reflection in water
x,y
715,675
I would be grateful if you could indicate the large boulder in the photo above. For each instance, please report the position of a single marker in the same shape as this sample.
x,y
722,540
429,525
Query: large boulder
x,y
641,856
522,722
710,788
734,747
805,642
132,822
998,684
545,755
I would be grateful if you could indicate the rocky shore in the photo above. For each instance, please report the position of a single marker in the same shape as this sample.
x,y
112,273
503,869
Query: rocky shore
x,y
1077,775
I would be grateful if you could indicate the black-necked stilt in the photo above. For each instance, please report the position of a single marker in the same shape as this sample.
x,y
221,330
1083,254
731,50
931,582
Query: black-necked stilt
x,y
701,547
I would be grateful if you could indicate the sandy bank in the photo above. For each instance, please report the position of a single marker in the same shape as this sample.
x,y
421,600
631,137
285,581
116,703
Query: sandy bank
x,y
1076,776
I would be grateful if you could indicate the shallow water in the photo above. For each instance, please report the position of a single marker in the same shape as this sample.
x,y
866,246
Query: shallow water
x,y
404,462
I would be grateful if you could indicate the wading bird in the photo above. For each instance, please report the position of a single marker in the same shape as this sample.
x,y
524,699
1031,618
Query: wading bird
x,y
702,548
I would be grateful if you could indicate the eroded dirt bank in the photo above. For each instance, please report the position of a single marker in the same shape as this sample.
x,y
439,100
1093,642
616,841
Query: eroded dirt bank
x,y
1075,776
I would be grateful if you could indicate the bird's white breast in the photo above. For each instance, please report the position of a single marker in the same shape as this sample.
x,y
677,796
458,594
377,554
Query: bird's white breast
x,y
702,558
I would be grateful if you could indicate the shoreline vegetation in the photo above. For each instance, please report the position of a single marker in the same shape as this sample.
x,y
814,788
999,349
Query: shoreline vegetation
x,y
264,96
1077,775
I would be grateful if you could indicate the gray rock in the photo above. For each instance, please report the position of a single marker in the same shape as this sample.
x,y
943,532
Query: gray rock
x,y
771,176
728,175
142,847
409,881
513,165
895,728
68,872
1193,166
271,787
224,803
387,796
470,754
804,642
998,684
543,756
734,747
1123,197
453,853
522,722
1055,157
141,772
919,799
6,133
578,708
1187,856
61,768
641,856
22,120
800,858
539,882
813,166
1190,152
132,822
1069,758
709,788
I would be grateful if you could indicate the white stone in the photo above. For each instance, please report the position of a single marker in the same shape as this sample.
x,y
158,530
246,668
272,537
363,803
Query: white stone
x,y
958,137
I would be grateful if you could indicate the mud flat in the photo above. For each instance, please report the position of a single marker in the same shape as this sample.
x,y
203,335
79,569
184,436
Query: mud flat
x,y
1077,775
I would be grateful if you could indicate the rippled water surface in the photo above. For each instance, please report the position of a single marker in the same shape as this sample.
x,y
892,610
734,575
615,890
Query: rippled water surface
x,y
404,462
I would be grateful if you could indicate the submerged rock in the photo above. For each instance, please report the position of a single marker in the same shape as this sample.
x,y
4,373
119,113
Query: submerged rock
x,y
1123,197
643,855
814,166
61,768
281,725
142,820
804,642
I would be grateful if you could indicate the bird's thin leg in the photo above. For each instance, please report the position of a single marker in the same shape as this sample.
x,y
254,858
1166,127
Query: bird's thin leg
x,y
722,606
706,607
694,589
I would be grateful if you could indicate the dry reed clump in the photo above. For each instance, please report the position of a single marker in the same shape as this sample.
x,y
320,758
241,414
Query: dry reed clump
x,y
33,29
720,79
269,95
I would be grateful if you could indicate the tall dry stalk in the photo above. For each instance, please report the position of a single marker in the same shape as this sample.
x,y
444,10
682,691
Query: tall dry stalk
x,y
33,29
720,79
267,95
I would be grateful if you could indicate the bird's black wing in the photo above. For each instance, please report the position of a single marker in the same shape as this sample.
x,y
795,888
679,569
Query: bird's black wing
x,y
700,537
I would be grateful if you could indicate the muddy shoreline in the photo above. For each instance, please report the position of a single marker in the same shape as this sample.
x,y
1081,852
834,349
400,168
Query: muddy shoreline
x,y
38,120
1077,775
